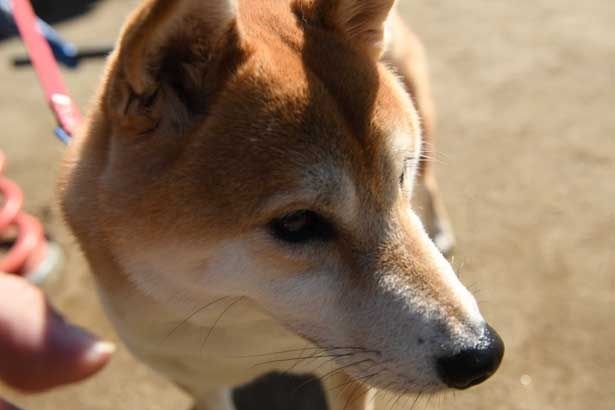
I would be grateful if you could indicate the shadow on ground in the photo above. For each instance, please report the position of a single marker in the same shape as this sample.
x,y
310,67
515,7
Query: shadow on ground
x,y
277,391
54,11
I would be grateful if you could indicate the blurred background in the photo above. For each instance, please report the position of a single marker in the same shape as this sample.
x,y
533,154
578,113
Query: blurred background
x,y
525,95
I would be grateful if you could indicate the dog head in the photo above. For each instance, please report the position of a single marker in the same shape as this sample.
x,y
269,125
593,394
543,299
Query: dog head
x,y
266,148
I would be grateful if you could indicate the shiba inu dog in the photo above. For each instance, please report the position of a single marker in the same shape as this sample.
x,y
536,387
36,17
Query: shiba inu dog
x,y
243,187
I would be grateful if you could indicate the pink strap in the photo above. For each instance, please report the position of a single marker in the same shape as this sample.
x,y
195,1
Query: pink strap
x,y
66,112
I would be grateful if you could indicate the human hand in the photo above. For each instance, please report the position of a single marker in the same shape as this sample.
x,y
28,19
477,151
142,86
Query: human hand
x,y
38,349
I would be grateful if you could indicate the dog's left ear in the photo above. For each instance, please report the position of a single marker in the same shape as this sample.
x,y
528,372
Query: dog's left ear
x,y
362,22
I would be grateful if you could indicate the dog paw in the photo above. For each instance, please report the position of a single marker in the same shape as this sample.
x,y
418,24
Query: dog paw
x,y
221,399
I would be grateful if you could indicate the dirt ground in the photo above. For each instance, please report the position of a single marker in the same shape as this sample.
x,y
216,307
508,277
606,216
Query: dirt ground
x,y
526,139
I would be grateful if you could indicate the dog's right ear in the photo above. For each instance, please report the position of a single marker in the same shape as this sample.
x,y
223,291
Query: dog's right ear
x,y
362,22
170,61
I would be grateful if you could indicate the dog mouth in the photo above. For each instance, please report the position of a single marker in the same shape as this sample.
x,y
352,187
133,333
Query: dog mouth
x,y
465,369
364,365
371,368
384,374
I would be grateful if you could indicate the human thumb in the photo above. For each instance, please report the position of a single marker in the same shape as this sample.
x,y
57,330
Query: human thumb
x,y
39,350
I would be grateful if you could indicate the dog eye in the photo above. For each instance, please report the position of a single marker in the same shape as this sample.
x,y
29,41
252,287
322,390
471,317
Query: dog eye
x,y
301,226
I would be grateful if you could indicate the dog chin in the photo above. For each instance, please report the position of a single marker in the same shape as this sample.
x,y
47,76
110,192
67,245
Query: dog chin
x,y
372,369
396,382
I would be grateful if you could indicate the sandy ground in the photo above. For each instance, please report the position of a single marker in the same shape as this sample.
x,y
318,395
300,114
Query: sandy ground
x,y
526,103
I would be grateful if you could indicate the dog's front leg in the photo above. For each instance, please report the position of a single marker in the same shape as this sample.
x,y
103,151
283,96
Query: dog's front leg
x,y
437,221
406,53
218,399
344,393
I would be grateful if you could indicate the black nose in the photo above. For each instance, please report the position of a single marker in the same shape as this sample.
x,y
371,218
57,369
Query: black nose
x,y
473,366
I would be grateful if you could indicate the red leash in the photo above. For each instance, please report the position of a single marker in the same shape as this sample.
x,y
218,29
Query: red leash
x,y
30,247
30,254
66,112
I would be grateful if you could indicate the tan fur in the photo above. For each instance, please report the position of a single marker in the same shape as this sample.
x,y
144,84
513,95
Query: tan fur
x,y
208,126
